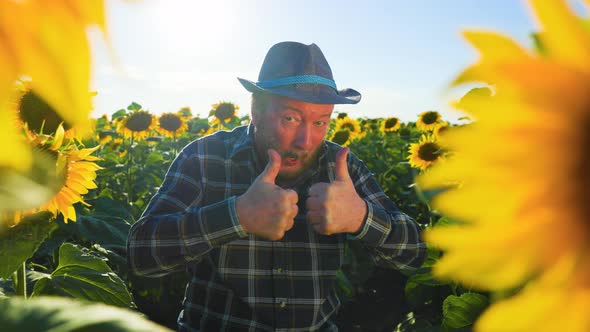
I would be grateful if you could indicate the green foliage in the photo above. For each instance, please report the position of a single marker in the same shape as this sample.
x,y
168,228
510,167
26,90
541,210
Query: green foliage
x,y
18,243
82,275
65,315
461,311
105,224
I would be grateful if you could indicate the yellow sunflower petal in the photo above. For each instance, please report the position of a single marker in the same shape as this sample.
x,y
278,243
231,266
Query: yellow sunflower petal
x,y
563,37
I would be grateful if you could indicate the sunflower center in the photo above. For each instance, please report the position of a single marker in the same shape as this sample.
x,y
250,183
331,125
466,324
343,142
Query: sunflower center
x,y
430,117
341,137
390,123
139,121
429,151
40,116
170,122
347,126
225,111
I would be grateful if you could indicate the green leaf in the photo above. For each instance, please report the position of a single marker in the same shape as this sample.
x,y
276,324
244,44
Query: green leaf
x,y
119,113
134,106
424,275
64,315
462,311
108,231
19,243
84,276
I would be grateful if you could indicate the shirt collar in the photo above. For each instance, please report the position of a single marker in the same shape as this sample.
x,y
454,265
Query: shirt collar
x,y
244,143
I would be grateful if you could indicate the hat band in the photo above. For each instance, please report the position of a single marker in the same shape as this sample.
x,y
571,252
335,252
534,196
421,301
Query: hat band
x,y
301,79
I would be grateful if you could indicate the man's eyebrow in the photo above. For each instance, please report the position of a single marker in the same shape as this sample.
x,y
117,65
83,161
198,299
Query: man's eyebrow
x,y
295,109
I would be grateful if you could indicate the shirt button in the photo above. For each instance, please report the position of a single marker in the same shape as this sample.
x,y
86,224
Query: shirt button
x,y
283,305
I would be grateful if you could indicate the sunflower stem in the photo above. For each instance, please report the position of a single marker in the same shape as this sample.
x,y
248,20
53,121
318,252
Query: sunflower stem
x,y
129,180
19,277
175,148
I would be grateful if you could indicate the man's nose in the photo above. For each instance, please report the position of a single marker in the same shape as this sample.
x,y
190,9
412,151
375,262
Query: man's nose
x,y
303,138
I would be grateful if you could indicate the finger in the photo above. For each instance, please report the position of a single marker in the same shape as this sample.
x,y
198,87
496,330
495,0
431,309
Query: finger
x,y
272,168
289,224
313,218
292,196
342,165
320,229
313,204
317,189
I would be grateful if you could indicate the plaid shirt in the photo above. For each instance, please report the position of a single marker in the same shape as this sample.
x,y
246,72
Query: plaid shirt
x,y
241,282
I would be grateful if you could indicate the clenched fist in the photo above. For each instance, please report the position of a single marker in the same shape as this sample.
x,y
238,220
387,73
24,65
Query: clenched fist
x,y
336,207
266,209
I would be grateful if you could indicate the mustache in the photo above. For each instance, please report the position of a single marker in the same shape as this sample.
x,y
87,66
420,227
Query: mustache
x,y
294,155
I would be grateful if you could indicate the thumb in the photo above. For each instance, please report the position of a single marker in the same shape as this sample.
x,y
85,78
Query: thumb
x,y
341,165
272,168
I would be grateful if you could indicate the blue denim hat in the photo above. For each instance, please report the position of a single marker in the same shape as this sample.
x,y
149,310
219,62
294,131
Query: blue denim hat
x,y
300,72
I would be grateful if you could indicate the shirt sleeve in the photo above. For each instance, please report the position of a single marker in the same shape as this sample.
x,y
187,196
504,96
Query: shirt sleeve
x,y
392,237
176,228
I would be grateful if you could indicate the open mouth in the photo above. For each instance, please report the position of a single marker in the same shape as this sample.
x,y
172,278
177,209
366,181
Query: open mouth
x,y
291,160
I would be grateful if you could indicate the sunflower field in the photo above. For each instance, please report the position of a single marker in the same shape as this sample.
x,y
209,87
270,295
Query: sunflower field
x,y
502,197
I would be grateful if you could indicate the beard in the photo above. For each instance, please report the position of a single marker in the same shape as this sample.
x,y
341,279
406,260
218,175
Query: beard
x,y
264,139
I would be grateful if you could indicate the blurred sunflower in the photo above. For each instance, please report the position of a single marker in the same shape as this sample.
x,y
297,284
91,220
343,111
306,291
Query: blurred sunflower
x,y
526,218
427,121
342,137
80,173
426,152
351,125
223,112
185,113
171,124
441,128
137,125
75,169
52,49
390,124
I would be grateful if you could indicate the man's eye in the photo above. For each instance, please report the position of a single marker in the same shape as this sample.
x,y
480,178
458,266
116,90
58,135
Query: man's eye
x,y
320,123
289,119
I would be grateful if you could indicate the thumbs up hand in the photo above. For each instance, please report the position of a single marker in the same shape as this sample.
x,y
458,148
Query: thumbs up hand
x,y
336,207
266,209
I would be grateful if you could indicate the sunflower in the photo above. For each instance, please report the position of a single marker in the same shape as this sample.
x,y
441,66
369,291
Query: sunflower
x,y
441,128
426,152
342,137
526,219
52,50
80,172
351,125
171,124
137,125
185,113
427,121
223,112
390,124
75,170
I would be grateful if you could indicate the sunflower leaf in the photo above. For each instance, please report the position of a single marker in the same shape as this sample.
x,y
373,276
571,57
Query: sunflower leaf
x,y
20,242
83,275
61,314
462,311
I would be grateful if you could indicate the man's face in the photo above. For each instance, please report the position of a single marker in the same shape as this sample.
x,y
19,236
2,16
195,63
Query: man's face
x,y
295,129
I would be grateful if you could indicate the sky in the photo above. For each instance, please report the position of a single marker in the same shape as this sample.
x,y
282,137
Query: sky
x,y
401,55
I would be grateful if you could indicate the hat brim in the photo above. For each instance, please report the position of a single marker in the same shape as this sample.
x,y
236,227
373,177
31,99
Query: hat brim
x,y
318,94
